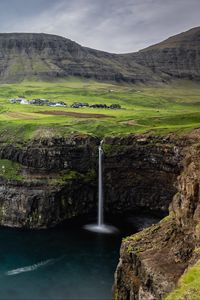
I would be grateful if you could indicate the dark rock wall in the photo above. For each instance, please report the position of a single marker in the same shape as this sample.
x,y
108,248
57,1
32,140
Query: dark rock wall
x,y
152,261
43,198
60,178
76,152
179,63
185,206
43,205
141,172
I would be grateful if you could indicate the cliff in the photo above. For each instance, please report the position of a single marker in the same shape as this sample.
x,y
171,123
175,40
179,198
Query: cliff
x,y
152,261
47,181
47,57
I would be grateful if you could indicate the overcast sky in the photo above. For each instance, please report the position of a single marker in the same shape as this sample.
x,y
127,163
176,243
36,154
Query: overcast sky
x,y
112,25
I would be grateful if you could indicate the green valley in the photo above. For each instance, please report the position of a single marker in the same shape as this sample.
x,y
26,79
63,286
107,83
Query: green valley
x,y
157,109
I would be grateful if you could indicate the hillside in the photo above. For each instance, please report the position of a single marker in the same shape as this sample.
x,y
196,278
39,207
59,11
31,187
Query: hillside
x,y
176,57
48,57
44,56
170,108
190,39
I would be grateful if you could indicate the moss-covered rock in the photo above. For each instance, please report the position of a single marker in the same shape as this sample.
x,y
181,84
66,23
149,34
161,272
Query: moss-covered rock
x,y
10,170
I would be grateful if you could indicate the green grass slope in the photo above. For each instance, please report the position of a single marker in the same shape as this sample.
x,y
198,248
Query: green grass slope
x,y
160,110
188,286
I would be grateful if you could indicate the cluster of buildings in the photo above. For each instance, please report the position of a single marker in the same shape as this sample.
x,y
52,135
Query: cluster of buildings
x,y
41,102
38,101
82,104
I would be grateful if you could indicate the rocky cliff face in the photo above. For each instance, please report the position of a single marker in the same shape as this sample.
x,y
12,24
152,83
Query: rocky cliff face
x,y
26,55
48,57
56,182
141,171
58,178
152,261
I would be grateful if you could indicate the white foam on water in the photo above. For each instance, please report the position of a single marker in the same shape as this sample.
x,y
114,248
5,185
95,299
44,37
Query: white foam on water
x,y
30,268
107,229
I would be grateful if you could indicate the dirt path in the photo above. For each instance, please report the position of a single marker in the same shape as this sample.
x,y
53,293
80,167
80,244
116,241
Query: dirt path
x,y
73,114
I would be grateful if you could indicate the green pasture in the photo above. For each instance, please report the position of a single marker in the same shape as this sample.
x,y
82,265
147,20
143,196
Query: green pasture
x,y
160,109
188,286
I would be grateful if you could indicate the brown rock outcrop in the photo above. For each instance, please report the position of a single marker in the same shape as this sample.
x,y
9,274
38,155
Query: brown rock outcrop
x,y
152,261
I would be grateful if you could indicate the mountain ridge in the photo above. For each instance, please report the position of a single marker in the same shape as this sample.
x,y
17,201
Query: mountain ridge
x,y
46,56
182,37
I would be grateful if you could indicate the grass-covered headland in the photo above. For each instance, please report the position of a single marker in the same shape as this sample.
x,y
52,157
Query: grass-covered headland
x,y
188,286
162,109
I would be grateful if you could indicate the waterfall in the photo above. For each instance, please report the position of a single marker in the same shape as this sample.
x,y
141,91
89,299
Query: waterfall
x,y
100,187
100,227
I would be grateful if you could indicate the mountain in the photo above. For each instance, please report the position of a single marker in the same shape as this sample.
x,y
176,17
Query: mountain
x,y
44,56
24,55
176,57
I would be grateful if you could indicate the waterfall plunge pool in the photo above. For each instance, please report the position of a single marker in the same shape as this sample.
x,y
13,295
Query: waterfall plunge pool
x,y
67,262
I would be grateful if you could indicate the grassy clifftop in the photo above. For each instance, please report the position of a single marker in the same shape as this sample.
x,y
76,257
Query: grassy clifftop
x,y
160,110
188,287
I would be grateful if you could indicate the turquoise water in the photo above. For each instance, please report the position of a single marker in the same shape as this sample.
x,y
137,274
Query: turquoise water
x,y
63,263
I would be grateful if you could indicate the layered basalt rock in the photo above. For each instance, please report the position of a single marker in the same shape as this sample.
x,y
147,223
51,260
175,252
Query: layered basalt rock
x,y
140,172
44,56
40,204
47,57
152,261
57,182
59,178
77,152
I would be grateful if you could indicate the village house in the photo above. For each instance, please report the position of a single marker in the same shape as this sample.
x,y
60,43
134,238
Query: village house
x,y
42,102
17,100
38,101
79,105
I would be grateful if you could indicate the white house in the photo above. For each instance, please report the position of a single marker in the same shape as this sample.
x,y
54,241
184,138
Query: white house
x,y
24,102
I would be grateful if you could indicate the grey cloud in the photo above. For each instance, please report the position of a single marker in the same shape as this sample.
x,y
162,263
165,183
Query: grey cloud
x,y
110,25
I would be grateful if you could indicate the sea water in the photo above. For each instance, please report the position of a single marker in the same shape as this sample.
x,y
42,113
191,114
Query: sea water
x,y
63,263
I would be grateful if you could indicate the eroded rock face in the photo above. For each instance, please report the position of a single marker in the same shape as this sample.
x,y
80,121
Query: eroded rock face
x,y
36,205
60,178
186,205
45,56
148,267
140,171
55,154
57,184
152,261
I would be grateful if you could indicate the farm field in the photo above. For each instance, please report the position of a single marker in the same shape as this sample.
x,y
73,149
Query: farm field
x,y
159,110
